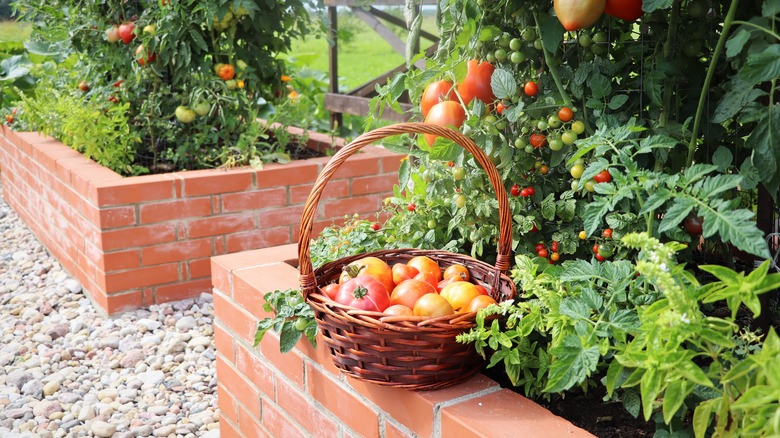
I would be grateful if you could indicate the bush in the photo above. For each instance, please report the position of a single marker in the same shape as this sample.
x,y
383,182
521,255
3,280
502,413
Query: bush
x,y
194,74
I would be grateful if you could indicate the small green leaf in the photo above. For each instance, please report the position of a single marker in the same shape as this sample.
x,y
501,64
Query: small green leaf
x,y
649,389
617,101
770,8
503,83
701,417
674,396
737,42
288,337
574,308
445,149
722,157
404,173
551,32
489,33
631,402
674,216
600,86
613,373
572,365
757,396
656,200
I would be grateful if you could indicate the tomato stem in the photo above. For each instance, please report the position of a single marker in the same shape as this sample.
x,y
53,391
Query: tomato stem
x,y
666,105
551,68
705,88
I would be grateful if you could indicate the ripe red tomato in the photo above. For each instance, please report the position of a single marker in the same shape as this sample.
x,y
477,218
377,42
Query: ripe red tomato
x,y
554,246
515,190
500,107
126,32
398,310
411,206
226,72
364,292
432,305
479,302
607,233
143,56
554,257
538,140
458,271
426,264
481,289
539,246
565,114
578,14
370,266
693,225
542,253
603,176
477,83
84,86
531,190
595,248
629,10
331,290
409,291
531,88
600,258
447,113
434,93
459,294
376,226
402,272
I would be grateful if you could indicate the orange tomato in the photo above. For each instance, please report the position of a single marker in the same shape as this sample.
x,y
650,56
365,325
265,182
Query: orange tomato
x,y
479,302
403,272
459,294
482,290
425,264
408,292
428,278
370,266
331,290
398,310
432,305
457,270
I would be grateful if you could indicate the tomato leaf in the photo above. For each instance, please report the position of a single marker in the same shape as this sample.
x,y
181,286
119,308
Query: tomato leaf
x,y
503,83
288,336
770,8
551,31
676,213
736,226
600,86
489,33
765,142
573,364
762,66
404,173
739,94
722,158
737,42
617,101
445,149
750,175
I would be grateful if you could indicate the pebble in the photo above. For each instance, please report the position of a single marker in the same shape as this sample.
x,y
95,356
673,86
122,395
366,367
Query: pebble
x,y
67,371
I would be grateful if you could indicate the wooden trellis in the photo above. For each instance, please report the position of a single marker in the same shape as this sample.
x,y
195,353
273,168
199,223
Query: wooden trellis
x,y
356,100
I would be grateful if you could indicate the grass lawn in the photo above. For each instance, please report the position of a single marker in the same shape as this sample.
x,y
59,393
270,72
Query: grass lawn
x,y
12,31
362,57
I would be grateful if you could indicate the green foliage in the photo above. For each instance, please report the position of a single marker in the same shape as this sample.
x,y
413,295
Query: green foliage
x,y
101,133
188,40
355,236
292,319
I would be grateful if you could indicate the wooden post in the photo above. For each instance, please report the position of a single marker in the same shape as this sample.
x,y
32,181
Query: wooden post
x,y
335,118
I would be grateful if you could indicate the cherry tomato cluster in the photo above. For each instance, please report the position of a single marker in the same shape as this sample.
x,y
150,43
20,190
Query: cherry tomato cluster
x,y
552,254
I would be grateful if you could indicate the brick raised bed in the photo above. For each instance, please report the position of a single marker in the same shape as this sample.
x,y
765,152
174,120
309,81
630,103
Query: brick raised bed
x,y
135,241
263,393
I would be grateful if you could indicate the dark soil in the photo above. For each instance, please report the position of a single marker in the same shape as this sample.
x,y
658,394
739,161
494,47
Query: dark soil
x,y
301,152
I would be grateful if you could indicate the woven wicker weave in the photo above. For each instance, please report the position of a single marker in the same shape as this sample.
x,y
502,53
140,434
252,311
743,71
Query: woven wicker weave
x,y
402,351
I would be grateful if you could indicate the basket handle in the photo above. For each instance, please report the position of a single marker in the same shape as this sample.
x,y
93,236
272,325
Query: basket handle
x,y
307,280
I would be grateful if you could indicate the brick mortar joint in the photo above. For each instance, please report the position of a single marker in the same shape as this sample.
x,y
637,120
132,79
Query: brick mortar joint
x,y
436,433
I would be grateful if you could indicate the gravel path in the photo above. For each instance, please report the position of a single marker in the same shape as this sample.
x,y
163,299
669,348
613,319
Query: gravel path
x,y
66,371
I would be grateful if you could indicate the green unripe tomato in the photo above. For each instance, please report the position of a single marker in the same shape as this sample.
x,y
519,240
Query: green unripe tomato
x,y
538,44
554,121
584,40
590,186
501,125
300,324
600,37
460,201
504,40
490,119
529,34
576,171
520,142
569,137
515,44
490,58
500,55
529,149
432,224
555,144
458,173
578,127
517,57
541,125
575,184
471,220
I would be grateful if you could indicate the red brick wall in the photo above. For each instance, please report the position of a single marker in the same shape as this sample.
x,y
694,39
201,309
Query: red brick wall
x,y
265,393
136,241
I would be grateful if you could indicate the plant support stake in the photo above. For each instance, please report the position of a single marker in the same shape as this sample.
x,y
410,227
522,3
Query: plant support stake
x,y
727,22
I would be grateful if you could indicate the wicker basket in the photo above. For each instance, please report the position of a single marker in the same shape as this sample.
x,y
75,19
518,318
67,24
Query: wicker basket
x,y
402,351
